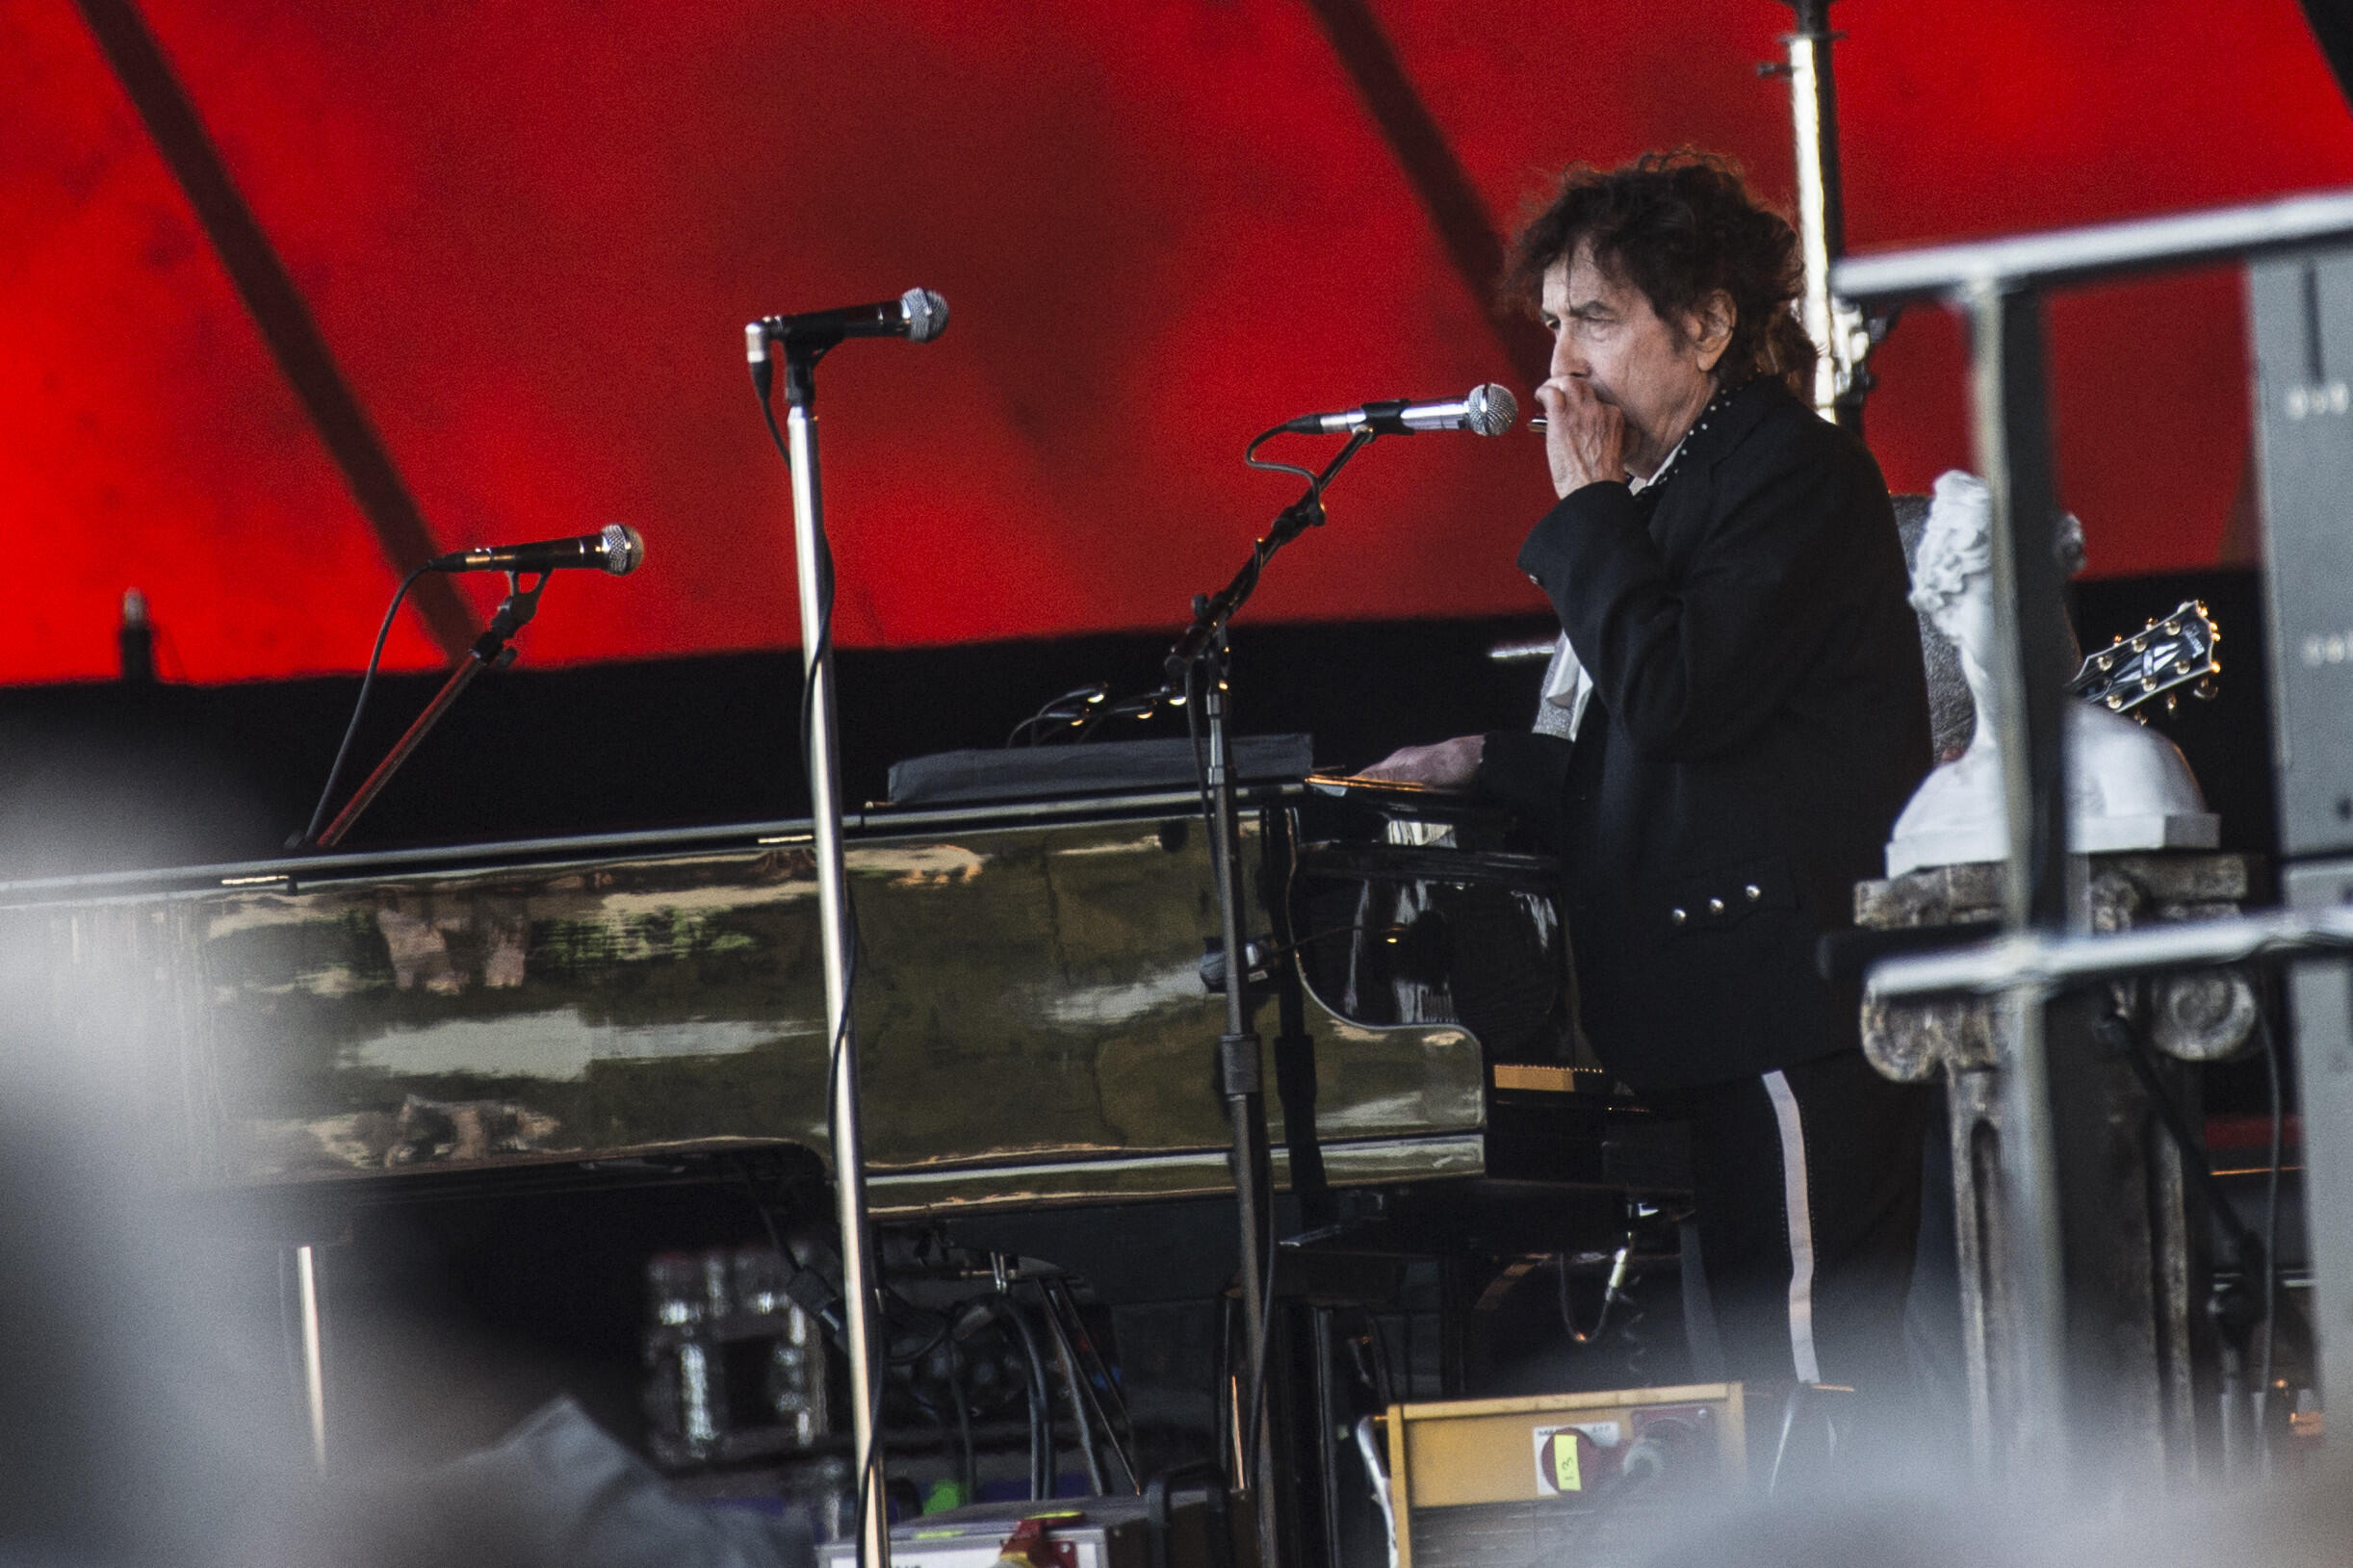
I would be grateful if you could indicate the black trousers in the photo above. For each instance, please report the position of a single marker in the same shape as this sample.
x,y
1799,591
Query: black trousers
x,y
1807,1190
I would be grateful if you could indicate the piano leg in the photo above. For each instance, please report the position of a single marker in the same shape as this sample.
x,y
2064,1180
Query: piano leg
x,y
314,1359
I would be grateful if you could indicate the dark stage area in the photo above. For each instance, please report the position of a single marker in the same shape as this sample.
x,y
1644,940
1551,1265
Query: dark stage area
x,y
1772,1064
114,776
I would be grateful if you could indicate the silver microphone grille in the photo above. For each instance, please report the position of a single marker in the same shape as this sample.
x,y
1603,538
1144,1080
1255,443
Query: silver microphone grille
x,y
927,315
624,549
1490,410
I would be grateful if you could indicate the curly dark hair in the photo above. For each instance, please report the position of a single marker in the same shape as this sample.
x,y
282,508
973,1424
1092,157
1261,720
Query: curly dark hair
x,y
1680,226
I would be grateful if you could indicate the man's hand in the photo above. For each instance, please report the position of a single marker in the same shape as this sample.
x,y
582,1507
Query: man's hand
x,y
1585,439
1450,764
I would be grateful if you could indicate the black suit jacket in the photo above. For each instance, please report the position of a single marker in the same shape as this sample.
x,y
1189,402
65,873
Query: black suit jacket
x,y
1758,720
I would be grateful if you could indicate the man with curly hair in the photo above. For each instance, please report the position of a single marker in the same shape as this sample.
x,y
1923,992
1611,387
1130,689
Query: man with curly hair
x,y
1735,715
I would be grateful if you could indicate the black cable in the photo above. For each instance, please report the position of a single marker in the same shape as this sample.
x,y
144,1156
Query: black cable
x,y
1376,1342
1613,1291
809,1290
1250,457
1266,1346
1072,1378
1630,1321
767,1220
2117,1033
1007,1317
1111,1402
1041,1399
2253,1253
1201,759
970,1473
818,644
1104,710
366,683
908,1358
821,638
1072,708
932,1412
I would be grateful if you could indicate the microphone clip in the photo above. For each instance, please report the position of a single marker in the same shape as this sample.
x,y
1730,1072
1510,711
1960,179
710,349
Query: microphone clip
x,y
762,341
513,614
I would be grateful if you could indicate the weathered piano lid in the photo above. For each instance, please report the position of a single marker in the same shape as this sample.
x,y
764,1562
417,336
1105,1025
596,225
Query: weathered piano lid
x,y
1032,1024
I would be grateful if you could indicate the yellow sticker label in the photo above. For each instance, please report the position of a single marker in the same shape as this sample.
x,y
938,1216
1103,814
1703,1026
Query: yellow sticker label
x,y
1565,1473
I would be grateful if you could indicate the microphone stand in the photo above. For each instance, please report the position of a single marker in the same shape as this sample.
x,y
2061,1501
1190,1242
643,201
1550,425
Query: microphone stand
x,y
1199,660
813,558
489,652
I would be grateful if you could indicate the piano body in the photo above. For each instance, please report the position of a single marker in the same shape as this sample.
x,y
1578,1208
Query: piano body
x,y
1033,1024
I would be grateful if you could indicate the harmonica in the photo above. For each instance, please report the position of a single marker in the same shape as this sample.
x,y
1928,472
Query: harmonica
x,y
1539,424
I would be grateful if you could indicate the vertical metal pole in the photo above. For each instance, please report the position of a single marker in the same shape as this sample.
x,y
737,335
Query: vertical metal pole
x,y
1242,1079
2320,999
1328,1436
313,1357
834,925
2029,655
1822,220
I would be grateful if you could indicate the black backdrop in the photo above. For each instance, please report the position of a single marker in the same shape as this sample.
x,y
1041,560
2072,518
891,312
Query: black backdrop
x,y
104,777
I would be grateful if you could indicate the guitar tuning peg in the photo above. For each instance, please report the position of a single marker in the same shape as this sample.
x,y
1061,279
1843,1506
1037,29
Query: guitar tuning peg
x,y
2173,628
2206,690
2172,705
2106,661
2116,702
2140,715
2140,644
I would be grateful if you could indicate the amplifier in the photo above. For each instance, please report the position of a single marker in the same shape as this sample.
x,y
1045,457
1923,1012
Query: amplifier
x,y
1499,1483
2301,315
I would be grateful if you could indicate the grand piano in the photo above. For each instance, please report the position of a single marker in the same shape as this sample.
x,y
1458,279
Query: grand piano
x,y
1033,1020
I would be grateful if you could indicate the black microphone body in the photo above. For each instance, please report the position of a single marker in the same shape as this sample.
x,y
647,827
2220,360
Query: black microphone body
x,y
918,316
617,549
1485,410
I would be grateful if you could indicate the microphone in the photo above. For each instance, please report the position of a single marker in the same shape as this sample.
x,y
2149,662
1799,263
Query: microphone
x,y
617,549
918,316
1488,410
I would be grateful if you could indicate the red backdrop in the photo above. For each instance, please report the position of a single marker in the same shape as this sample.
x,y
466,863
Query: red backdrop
x,y
532,233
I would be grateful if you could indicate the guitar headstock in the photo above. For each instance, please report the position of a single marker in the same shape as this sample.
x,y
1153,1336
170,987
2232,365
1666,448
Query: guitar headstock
x,y
2158,660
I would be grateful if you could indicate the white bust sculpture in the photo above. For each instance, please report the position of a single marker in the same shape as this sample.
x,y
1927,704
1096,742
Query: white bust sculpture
x,y
2129,787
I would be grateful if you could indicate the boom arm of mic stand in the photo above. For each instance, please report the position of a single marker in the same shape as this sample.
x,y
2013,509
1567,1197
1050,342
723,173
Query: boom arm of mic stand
x,y
490,651
1210,621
